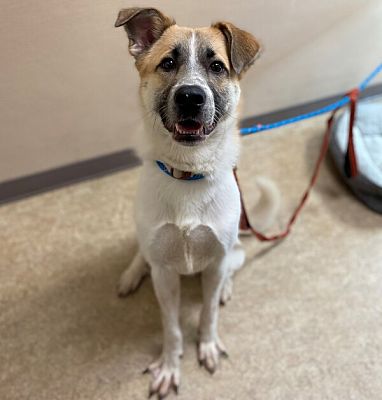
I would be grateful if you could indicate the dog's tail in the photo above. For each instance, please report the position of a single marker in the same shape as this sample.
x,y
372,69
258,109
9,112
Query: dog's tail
x,y
268,206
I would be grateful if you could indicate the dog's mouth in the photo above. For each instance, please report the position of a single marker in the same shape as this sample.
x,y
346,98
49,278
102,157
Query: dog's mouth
x,y
191,132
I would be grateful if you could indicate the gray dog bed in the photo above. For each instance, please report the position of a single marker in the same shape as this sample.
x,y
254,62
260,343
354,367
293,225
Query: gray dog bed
x,y
367,134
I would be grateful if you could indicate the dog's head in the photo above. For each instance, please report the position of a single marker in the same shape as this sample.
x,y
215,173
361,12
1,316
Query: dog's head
x,y
189,77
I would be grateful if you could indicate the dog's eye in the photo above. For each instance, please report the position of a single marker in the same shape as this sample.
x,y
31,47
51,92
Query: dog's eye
x,y
167,64
217,67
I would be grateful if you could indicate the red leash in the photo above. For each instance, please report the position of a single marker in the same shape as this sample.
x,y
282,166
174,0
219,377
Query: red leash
x,y
350,170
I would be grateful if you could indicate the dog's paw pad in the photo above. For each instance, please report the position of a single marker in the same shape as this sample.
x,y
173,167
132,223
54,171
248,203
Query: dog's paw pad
x,y
209,354
166,377
226,292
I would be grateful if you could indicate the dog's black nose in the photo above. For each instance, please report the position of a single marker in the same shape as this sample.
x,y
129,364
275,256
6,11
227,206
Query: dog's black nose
x,y
190,98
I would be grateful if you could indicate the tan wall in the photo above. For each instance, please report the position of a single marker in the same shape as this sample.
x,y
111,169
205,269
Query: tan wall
x,y
68,87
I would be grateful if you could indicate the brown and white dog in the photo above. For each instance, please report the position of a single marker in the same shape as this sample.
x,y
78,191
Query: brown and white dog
x,y
188,205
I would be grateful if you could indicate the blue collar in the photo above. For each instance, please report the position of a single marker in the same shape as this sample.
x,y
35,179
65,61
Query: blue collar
x,y
177,173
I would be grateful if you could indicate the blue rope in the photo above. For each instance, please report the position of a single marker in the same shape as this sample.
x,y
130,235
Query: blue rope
x,y
319,111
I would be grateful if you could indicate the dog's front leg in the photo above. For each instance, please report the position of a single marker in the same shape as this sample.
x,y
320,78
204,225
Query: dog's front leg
x,y
166,370
210,347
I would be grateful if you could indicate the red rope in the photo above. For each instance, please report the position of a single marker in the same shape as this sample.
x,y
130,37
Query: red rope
x,y
351,169
350,163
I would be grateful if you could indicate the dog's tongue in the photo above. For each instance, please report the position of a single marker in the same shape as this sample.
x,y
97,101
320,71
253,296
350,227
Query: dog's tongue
x,y
188,127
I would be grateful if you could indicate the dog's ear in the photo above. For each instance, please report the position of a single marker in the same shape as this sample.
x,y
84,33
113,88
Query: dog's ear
x,y
243,48
143,26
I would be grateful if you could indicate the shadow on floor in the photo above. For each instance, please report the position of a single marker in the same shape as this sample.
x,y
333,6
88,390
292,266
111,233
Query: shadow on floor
x,y
336,196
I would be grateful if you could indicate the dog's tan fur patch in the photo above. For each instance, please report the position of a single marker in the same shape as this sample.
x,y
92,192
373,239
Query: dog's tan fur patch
x,y
206,37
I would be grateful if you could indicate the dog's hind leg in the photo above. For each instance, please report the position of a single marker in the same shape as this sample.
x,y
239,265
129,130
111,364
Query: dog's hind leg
x,y
133,275
235,261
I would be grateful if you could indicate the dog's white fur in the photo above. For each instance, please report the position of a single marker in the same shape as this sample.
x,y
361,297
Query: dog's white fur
x,y
185,227
170,214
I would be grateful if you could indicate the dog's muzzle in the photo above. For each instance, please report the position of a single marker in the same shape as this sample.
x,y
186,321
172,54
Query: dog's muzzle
x,y
189,100
190,128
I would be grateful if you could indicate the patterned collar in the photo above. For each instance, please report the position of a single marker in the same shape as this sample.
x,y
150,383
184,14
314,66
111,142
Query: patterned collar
x,y
177,173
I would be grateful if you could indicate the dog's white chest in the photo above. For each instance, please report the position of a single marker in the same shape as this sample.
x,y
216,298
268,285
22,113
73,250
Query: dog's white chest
x,y
186,249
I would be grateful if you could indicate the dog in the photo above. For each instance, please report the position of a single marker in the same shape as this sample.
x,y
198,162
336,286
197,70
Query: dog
x,y
188,206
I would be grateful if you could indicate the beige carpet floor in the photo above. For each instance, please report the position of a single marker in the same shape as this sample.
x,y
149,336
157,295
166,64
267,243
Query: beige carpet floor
x,y
305,321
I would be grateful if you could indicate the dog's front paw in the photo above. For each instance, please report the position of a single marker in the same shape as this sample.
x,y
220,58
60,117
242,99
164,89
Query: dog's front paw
x,y
209,354
166,377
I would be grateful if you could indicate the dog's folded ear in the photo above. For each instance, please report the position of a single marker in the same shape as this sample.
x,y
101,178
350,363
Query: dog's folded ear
x,y
243,48
143,26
